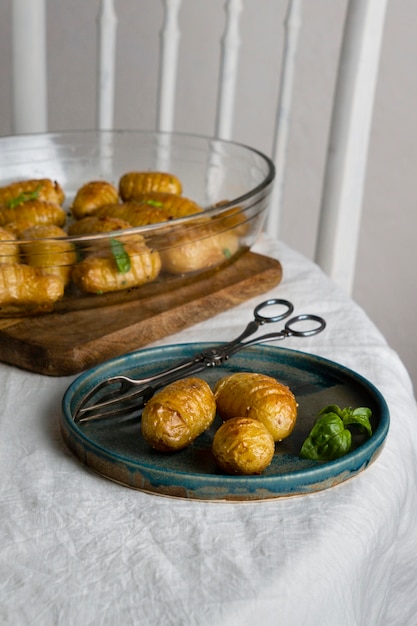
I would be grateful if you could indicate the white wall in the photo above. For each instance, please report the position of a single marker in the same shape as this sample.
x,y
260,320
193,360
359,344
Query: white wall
x,y
385,284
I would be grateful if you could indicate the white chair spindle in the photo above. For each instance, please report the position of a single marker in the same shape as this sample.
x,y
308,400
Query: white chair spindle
x,y
230,46
349,139
169,37
292,27
29,66
106,70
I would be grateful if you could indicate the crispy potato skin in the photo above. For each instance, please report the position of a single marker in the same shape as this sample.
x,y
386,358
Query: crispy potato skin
x,y
172,205
235,219
261,397
9,248
133,184
93,224
43,250
177,414
34,212
91,196
187,255
243,445
45,189
23,285
17,227
98,273
134,213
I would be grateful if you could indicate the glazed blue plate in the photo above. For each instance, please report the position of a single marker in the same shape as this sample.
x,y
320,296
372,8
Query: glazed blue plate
x,y
114,447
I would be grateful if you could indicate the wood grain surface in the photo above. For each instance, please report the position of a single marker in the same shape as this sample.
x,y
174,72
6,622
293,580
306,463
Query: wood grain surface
x,y
60,344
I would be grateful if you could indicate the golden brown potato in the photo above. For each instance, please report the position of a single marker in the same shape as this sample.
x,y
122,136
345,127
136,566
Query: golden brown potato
x,y
44,189
233,218
195,251
22,285
177,414
9,248
95,224
48,250
134,213
172,205
33,212
91,196
132,184
243,445
130,264
18,227
261,397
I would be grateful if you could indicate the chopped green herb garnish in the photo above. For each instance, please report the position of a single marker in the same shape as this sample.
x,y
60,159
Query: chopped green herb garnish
x,y
155,203
227,253
120,256
24,197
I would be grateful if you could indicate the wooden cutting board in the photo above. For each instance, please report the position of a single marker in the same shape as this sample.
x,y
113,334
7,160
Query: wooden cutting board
x,y
60,344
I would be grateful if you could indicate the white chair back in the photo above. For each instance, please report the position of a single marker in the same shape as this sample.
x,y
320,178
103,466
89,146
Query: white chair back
x,y
340,217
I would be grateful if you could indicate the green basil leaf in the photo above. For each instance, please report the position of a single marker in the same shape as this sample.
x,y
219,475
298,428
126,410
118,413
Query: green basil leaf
x,y
24,197
359,417
330,436
328,439
120,256
331,408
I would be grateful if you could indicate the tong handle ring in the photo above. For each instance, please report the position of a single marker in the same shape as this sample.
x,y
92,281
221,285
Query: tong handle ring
x,y
268,319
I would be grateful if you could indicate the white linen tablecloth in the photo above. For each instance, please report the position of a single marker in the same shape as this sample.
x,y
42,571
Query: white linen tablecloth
x,y
79,549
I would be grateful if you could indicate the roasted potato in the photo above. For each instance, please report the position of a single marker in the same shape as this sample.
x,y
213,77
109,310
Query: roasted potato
x,y
132,184
34,219
17,227
261,397
47,249
233,218
128,264
43,189
95,224
195,251
33,212
243,445
134,213
172,205
23,285
177,414
9,248
92,196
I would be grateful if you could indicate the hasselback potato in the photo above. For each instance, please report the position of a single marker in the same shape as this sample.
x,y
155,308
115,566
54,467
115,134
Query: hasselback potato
x,y
43,189
9,248
91,196
93,224
47,248
33,212
23,285
177,414
189,252
133,184
243,445
134,213
261,397
130,264
173,206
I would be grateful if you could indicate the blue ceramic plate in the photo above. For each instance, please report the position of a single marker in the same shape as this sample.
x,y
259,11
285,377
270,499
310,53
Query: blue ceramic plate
x,y
115,448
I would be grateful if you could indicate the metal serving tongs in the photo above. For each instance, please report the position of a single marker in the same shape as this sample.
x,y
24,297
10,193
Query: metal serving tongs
x,y
128,394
